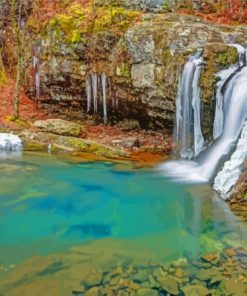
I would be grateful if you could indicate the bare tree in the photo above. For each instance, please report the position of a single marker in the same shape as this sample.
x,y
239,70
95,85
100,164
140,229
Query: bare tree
x,y
18,27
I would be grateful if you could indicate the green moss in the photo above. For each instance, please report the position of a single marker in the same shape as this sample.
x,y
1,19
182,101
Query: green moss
x,y
217,57
114,18
78,20
3,78
123,70
95,148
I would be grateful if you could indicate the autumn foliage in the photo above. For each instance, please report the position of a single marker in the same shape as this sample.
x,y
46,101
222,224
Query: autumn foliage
x,y
217,11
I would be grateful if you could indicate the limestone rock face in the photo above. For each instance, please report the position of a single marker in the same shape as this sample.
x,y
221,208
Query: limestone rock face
x,y
60,127
142,58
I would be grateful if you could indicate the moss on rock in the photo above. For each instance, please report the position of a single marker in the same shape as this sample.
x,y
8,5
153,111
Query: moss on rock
x,y
216,57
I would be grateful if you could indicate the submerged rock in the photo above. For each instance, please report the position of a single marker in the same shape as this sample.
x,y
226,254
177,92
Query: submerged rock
x,y
195,290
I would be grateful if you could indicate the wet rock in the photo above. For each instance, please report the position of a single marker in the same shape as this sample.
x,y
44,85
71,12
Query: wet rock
x,y
93,292
230,252
241,253
60,127
210,257
122,293
130,143
195,290
169,284
147,292
107,291
141,276
233,287
114,281
181,262
152,282
179,273
94,278
215,280
204,274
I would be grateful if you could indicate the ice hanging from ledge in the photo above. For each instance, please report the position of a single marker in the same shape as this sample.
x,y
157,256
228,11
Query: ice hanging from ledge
x,y
93,87
104,88
36,66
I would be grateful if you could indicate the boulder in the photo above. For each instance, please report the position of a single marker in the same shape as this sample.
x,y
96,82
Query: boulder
x,y
196,290
169,284
147,292
60,127
130,143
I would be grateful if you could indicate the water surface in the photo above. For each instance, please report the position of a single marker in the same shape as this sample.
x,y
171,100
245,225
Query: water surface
x,y
48,204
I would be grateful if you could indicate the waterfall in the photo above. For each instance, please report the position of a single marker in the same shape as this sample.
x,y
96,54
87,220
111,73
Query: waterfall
x,y
223,77
189,139
231,170
9,142
234,109
104,85
88,93
95,92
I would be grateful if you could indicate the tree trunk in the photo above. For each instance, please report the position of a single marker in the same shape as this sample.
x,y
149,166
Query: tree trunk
x,y
17,91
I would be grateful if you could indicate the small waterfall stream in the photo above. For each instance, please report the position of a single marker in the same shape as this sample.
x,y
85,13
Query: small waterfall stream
x,y
230,117
189,139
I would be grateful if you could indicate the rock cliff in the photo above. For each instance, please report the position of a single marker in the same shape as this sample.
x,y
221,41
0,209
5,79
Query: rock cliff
x,y
142,55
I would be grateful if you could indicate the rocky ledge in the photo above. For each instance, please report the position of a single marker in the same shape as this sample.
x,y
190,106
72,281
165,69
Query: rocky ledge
x,y
127,141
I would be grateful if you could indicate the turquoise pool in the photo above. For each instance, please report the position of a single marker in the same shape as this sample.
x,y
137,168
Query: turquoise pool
x,y
48,204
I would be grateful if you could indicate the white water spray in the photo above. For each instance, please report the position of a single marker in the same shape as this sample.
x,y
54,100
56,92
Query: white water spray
x,y
232,169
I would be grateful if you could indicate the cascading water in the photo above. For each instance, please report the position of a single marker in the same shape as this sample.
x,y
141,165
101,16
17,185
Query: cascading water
x,y
231,170
223,77
189,139
234,107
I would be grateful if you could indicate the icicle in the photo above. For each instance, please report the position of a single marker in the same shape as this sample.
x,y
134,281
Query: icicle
x,y
88,93
36,65
95,92
110,92
104,87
